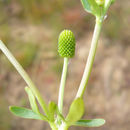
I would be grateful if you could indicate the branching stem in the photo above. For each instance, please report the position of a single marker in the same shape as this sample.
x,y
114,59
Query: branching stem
x,y
25,76
91,58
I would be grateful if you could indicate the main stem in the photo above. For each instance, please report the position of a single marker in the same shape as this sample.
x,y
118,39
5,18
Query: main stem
x,y
62,84
25,76
91,58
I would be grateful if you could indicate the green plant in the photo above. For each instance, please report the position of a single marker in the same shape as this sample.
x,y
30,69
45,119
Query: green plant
x,y
66,48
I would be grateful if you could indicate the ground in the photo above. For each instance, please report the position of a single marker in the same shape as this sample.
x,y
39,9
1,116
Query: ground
x,y
107,94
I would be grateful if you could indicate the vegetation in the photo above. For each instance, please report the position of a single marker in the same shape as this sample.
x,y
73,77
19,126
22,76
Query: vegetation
x,y
52,111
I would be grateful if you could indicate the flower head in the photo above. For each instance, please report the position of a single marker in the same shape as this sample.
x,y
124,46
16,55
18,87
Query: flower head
x,y
66,44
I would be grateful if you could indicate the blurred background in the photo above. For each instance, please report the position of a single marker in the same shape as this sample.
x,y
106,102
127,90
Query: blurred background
x,y
30,29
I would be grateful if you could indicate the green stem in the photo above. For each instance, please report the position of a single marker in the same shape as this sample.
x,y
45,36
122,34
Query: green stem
x,y
63,127
25,76
107,5
53,126
62,84
91,58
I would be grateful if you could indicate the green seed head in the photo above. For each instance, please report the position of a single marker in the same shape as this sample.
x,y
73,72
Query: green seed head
x,y
66,44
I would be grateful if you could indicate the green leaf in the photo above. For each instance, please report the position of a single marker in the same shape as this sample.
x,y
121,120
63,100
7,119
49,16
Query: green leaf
x,y
52,109
91,7
90,123
59,114
33,103
112,1
32,100
24,113
76,111
86,5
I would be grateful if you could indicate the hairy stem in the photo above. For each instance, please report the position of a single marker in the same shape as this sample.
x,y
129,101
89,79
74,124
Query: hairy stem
x,y
62,84
24,75
91,58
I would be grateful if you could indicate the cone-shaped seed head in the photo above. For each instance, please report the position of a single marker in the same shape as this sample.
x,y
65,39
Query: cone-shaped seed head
x,y
66,44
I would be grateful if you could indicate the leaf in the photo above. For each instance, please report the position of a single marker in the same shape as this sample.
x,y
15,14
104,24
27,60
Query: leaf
x,y
112,1
59,114
24,113
52,109
76,111
32,100
90,123
91,6
86,5
34,104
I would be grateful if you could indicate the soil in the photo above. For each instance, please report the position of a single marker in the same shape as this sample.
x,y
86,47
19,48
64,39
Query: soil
x,y
108,91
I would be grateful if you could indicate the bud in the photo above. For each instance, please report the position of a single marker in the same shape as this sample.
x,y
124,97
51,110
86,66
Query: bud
x,y
100,2
66,44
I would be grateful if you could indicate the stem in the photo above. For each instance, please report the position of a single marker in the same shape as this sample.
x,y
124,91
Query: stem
x,y
107,5
25,76
62,84
91,58
63,127
53,126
